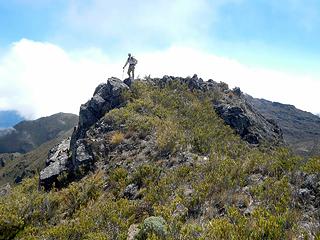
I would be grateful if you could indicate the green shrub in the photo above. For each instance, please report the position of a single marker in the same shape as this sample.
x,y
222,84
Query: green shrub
x,y
156,226
312,166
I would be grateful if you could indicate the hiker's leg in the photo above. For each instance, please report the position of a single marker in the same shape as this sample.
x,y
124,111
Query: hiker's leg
x,y
128,72
133,73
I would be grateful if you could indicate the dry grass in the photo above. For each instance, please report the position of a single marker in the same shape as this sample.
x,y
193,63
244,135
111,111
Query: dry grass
x,y
117,138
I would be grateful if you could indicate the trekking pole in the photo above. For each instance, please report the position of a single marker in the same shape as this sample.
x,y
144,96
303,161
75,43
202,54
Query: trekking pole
x,y
122,73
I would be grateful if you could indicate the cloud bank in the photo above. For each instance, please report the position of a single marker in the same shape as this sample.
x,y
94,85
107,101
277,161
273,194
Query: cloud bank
x,y
39,79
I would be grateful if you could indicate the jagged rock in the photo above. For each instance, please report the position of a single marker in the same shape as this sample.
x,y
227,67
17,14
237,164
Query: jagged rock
x,y
83,155
58,167
249,124
4,190
61,151
237,91
131,191
128,81
106,97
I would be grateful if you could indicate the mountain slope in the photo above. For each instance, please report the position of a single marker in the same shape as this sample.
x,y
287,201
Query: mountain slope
x,y
301,130
27,135
159,160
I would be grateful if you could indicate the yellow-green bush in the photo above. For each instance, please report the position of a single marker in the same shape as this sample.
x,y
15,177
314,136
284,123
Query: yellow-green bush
x,y
312,166
117,138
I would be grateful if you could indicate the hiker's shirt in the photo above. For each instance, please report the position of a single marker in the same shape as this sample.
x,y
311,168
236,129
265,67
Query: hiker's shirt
x,y
131,61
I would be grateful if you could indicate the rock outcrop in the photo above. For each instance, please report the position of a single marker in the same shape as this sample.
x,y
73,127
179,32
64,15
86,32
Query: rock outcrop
x,y
248,123
106,97
234,109
58,166
77,158
73,158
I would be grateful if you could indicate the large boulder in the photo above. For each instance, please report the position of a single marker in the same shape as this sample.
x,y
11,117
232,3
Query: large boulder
x,y
106,97
72,158
249,124
58,166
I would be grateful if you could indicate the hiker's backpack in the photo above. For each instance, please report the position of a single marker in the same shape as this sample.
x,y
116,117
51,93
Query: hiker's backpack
x,y
133,61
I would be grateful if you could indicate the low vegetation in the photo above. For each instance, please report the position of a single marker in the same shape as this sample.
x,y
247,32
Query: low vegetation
x,y
214,197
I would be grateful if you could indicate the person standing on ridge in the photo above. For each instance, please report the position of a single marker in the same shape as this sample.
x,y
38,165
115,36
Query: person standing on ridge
x,y
132,63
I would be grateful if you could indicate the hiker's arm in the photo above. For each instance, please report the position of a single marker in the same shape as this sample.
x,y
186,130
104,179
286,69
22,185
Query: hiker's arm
x,y
126,63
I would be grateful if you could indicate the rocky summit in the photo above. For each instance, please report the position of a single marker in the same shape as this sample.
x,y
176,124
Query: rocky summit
x,y
73,156
231,106
168,158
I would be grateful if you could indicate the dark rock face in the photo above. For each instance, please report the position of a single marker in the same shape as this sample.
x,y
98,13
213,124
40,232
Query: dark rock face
x,y
128,81
58,164
84,156
106,97
249,124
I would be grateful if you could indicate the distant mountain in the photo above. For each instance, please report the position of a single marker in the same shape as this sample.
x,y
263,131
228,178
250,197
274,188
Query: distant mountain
x,y
16,166
27,135
9,119
301,130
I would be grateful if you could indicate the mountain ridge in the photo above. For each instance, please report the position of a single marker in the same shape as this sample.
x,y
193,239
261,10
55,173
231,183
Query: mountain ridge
x,y
301,129
29,134
167,158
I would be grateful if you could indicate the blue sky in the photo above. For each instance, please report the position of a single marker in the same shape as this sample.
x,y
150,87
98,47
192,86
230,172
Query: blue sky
x,y
281,36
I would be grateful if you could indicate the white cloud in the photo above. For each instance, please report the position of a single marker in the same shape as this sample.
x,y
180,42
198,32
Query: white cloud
x,y
138,23
40,79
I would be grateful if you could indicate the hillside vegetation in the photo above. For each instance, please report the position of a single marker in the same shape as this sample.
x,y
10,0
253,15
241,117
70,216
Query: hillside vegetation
x,y
168,167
